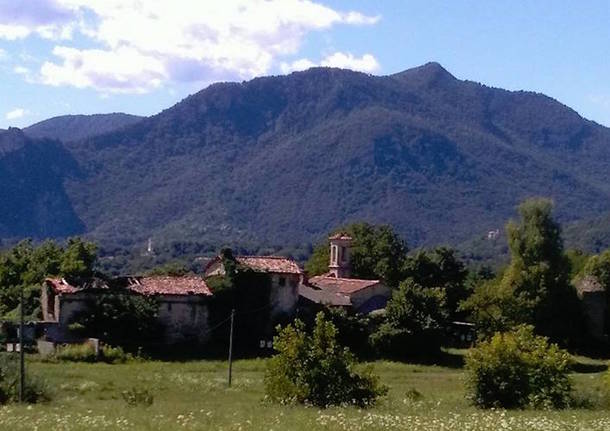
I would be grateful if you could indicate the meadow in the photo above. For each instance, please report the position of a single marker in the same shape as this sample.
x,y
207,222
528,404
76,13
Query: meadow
x,y
193,395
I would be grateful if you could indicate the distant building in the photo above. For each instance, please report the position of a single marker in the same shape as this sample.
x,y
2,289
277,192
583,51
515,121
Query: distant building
x,y
183,308
284,273
337,288
594,301
493,234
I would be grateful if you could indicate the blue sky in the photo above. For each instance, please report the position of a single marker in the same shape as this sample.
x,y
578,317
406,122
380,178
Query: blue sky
x,y
93,56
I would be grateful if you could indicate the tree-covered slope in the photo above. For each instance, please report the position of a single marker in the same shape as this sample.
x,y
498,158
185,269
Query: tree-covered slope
x,y
69,128
32,193
285,159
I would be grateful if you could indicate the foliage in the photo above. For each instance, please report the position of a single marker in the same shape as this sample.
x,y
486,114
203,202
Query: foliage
x,y
315,369
352,330
440,268
26,266
414,322
518,369
248,293
170,268
138,397
85,352
35,389
598,266
377,253
578,259
535,288
121,319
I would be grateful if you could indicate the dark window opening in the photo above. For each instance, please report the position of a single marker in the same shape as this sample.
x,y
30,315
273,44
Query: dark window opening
x,y
282,281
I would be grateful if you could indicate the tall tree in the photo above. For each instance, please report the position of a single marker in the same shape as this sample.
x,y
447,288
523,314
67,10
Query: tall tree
x,y
536,287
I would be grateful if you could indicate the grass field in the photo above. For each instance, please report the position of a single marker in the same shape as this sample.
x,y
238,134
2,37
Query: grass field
x,y
194,396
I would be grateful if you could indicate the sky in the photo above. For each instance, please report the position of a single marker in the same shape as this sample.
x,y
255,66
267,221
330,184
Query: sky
x,y
142,56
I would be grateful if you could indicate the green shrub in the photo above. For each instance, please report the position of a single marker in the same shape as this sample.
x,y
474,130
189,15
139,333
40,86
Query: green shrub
x,y
138,397
76,353
314,369
518,369
35,389
86,353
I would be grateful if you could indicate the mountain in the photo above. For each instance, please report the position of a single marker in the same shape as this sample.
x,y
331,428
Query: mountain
x,y
284,159
33,196
77,127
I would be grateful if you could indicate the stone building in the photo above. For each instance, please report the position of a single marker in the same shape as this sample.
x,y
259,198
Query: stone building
x,y
593,297
183,304
338,288
284,273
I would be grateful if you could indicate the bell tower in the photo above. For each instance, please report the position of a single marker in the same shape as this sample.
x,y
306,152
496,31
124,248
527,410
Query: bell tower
x,y
340,253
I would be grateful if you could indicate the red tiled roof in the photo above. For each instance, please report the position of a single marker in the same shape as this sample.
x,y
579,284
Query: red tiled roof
x,y
275,264
154,285
59,285
167,285
342,285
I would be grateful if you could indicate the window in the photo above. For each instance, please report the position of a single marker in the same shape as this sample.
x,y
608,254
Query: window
x,y
282,281
343,255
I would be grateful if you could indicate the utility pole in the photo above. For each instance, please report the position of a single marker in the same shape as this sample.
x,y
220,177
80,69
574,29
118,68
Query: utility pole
x,y
231,347
21,350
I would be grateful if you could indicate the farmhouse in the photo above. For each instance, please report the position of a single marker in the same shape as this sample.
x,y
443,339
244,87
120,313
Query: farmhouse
x,y
284,273
183,308
338,288
595,305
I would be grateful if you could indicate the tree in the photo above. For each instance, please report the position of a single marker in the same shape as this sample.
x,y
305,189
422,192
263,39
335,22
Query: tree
x,y
414,321
78,258
25,266
598,266
440,268
377,253
315,369
535,288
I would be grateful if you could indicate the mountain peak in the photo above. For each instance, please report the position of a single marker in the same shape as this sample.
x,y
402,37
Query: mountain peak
x,y
427,74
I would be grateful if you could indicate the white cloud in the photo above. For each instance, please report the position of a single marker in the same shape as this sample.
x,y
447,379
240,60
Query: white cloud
x,y
47,18
367,63
122,70
20,70
15,114
143,44
297,65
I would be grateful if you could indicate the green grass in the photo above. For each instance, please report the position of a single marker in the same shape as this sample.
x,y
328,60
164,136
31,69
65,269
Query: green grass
x,y
194,395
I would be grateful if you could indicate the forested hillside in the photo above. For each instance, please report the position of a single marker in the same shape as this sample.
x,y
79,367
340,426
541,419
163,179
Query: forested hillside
x,y
76,127
284,159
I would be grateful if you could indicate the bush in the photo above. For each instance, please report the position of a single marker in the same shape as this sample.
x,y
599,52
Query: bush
x,y
518,369
86,353
138,397
314,369
76,353
35,389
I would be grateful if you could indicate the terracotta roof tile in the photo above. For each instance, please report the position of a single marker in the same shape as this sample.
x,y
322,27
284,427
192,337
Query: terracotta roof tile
x,y
589,284
274,264
167,285
59,285
341,285
154,285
